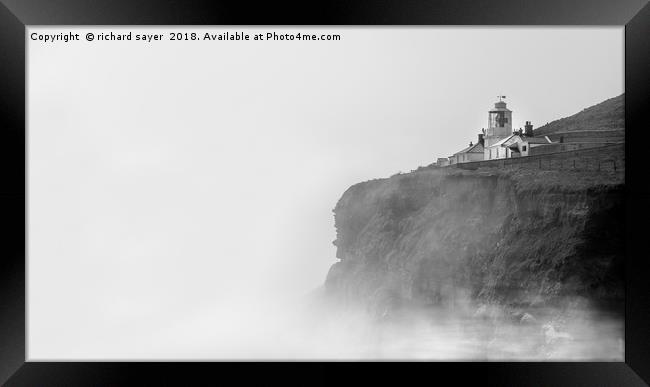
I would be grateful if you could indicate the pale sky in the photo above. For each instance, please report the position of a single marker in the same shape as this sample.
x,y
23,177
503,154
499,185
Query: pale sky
x,y
168,180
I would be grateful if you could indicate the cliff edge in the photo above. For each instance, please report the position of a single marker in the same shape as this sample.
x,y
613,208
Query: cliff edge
x,y
516,238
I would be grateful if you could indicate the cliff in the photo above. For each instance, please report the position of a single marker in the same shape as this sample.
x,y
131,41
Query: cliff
x,y
515,238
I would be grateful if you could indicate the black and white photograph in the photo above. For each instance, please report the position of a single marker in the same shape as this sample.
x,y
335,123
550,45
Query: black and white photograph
x,y
351,186
376,193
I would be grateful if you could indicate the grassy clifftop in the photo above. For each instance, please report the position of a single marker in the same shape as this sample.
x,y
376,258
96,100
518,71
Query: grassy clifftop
x,y
607,115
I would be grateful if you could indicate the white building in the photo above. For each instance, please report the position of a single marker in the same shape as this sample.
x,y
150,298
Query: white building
x,y
501,149
526,146
518,145
474,152
498,141
499,129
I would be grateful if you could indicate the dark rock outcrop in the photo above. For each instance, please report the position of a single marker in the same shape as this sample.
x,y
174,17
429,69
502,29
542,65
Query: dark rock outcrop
x,y
514,238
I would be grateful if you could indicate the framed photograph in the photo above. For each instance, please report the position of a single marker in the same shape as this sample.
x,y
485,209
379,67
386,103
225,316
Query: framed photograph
x,y
199,189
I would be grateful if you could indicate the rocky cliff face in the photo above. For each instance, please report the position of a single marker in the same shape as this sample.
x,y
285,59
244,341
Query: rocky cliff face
x,y
443,237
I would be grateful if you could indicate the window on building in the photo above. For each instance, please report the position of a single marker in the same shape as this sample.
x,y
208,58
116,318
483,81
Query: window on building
x,y
523,148
498,119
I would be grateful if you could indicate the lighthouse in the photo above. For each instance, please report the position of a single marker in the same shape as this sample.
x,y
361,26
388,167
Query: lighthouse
x,y
499,123
499,128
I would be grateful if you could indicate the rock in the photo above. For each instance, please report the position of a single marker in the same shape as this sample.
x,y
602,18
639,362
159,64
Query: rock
x,y
499,238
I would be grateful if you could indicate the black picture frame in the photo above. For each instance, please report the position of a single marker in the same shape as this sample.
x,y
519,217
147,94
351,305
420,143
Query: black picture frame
x,y
16,14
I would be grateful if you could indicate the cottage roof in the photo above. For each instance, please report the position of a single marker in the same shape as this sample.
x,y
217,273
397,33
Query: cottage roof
x,y
464,150
476,148
502,142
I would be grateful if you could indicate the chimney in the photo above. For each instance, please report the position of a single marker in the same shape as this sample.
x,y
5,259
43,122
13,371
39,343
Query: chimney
x,y
529,129
481,139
